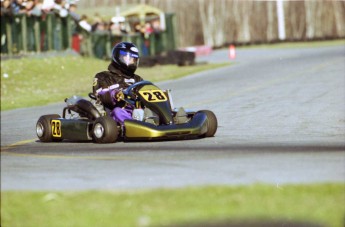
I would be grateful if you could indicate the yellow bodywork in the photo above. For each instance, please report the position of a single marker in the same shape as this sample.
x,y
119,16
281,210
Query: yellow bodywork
x,y
142,130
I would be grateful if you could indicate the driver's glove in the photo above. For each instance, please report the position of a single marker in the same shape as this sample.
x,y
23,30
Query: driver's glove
x,y
119,95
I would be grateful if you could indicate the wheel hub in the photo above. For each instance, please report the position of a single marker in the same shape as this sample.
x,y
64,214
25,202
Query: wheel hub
x,y
98,131
39,129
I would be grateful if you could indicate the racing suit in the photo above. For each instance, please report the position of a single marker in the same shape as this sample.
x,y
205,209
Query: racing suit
x,y
107,84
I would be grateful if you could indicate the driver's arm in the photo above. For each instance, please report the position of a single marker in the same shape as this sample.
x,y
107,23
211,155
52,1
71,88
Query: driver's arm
x,y
105,93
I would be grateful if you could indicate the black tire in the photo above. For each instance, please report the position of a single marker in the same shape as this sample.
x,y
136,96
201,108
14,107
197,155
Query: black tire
x,y
212,123
44,128
105,130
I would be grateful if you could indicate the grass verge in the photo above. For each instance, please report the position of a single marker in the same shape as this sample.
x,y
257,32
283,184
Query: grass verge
x,y
32,82
317,203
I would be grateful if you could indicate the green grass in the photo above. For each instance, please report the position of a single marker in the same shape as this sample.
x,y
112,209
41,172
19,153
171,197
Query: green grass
x,y
39,81
318,203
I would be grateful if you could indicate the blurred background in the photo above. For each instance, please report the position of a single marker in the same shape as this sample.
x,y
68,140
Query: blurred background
x,y
218,22
156,26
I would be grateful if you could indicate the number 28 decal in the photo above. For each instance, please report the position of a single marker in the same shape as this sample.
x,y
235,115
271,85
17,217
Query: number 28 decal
x,y
56,128
153,95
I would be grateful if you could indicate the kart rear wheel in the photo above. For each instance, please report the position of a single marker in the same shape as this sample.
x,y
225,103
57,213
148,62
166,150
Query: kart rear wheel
x,y
44,128
105,130
212,123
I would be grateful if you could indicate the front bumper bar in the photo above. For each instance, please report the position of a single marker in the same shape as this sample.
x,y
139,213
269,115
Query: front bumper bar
x,y
138,130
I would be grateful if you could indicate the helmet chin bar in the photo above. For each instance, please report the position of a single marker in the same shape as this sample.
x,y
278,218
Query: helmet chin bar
x,y
129,62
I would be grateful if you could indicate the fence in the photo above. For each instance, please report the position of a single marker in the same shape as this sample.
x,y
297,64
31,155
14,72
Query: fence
x,y
21,34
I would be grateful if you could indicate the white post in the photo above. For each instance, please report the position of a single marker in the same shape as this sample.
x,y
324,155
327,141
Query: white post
x,y
281,20
117,11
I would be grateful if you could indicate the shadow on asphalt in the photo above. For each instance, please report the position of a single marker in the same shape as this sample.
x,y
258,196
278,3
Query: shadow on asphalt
x,y
253,223
181,146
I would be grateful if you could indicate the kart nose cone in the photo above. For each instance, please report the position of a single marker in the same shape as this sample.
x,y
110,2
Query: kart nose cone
x,y
98,130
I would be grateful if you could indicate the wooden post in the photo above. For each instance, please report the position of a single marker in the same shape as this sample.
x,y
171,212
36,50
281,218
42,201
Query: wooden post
x,y
9,37
89,45
49,33
69,32
24,33
37,32
174,41
152,45
108,46
58,32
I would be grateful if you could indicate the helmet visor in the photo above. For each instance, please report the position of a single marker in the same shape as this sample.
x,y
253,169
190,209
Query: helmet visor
x,y
128,58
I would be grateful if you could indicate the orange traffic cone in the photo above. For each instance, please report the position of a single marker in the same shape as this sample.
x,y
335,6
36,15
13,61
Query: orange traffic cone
x,y
232,52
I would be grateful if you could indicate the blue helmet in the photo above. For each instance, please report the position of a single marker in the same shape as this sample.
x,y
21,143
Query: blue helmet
x,y
125,56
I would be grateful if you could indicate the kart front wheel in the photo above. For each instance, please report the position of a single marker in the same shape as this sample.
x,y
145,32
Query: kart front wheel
x,y
212,123
105,130
44,128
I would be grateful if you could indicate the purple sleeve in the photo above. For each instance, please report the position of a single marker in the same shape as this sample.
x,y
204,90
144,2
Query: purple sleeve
x,y
108,96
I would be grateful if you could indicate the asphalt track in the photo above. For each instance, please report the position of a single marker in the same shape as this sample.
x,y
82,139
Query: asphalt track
x,y
281,115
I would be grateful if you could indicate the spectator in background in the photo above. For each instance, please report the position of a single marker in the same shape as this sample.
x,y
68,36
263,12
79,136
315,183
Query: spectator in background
x,y
6,8
72,8
102,28
60,9
29,7
145,31
84,43
68,3
76,37
80,25
48,5
83,23
36,8
156,26
28,4
117,26
57,6
123,27
18,7
96,21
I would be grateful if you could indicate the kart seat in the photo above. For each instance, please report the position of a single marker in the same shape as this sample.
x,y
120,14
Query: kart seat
x,y
84,108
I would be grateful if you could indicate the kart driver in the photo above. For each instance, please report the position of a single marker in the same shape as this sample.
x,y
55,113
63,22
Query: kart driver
x,y
108,85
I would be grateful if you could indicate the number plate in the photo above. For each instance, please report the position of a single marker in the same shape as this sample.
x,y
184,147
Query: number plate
x,y
56,128
153,95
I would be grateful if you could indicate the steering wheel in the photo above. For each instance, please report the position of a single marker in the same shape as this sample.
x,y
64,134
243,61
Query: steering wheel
x,y
129,90
92,96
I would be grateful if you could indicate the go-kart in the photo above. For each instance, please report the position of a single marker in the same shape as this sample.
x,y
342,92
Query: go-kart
x,y
154,118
